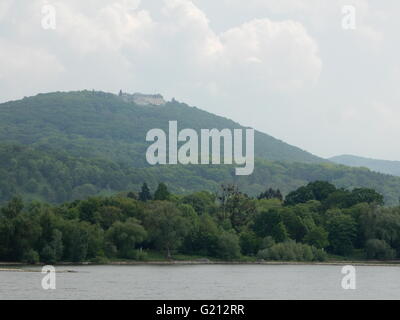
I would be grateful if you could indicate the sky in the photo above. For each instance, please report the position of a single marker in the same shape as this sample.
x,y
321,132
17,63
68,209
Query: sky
x,y
308,72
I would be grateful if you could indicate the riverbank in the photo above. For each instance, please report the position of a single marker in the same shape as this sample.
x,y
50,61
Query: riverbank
x,y
16,266
20,269
330,263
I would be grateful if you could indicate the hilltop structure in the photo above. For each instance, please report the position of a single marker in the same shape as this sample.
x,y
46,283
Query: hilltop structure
x,y
143,99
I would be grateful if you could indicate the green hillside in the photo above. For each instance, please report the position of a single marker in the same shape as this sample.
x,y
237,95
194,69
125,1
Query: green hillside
x,y
383,166
57,177
97,124
63,146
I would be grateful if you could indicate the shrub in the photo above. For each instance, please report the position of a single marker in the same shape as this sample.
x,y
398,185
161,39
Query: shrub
x,y
136,255
292,251
379,249
30,256
228,246
100,259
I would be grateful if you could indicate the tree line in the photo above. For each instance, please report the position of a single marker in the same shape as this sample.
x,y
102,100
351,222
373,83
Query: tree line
x,y
312,223
57,177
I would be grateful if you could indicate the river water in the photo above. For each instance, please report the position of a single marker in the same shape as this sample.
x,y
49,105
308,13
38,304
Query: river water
x,y
203,282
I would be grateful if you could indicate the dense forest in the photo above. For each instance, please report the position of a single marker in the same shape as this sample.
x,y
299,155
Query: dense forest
x,y
315,222
94,124
61,147
56,177
72,167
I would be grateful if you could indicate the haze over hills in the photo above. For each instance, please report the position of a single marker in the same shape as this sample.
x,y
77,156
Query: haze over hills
x,y
383,166
67,145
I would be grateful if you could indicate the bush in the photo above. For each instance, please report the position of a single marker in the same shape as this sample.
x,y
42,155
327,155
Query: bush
x,y
292,251
228,246
30,256
137,255
48,255
379,249
249,243
100,259
267,242
319,254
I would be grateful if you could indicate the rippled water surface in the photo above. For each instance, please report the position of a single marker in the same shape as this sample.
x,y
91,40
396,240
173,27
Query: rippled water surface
x,y
204,282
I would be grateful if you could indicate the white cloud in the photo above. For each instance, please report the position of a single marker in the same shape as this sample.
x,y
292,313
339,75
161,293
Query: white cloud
x,y
4,7
26,70
277,55
272,55
110,27
287,63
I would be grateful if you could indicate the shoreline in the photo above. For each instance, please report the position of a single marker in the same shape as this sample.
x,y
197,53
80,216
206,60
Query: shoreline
x,y
18,266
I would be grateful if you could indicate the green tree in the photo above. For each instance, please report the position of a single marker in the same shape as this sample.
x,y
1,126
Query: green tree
x,y
317,190
379,249
202,202
25,232
109,215
144,194
52,251
294,224
162,192
360,195
75,240
228,246
204,238
250,244
166,225
342,231
125,236
13,208
317,237
269,223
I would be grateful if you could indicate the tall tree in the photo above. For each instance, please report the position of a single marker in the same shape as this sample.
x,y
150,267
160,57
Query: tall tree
x,y
125,236
13,208
162,192
144,194
342,233
166,226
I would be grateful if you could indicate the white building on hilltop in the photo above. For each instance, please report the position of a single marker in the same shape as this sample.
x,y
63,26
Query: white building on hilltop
x,y
143,99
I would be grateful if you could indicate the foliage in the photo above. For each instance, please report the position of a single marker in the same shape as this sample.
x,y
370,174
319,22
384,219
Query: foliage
x,y
145,194
162,192
166,225
379,249
292,251
233,228
61,147
124,236
330,197
342,233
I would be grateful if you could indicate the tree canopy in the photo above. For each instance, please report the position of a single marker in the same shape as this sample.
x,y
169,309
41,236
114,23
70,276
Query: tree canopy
x,y
228,225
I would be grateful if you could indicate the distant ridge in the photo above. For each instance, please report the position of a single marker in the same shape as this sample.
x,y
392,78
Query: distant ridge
x,y
382,166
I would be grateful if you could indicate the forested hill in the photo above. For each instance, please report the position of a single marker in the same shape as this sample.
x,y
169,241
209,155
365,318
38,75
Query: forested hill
x,y
59,147
383,166
56,176
97,124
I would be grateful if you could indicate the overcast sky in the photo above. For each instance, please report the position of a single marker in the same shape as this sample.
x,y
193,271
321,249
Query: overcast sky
x,y
285,67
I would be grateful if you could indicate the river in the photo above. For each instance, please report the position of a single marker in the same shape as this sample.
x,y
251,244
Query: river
x,y
235,282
